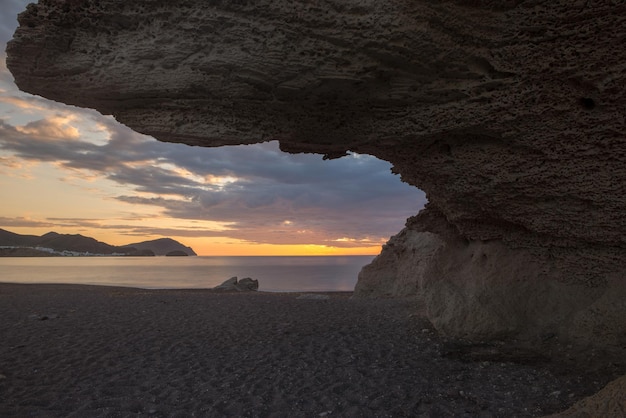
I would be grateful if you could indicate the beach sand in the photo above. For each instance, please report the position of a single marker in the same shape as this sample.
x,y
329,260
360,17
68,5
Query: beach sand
x,y
91,351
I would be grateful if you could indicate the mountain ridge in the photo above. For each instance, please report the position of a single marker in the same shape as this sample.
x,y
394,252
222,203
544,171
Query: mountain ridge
x,y
77,244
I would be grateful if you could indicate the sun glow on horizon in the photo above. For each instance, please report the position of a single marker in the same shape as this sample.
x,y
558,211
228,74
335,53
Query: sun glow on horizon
x,y
93,211
203,246
249,249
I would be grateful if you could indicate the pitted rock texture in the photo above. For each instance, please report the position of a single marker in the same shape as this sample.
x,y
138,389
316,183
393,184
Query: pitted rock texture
x,y
509,114
400,269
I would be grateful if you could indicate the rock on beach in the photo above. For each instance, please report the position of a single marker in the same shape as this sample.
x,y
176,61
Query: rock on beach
x,y
246,284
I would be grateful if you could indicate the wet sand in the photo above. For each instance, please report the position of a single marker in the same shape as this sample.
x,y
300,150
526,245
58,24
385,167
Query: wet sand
x,y
90,351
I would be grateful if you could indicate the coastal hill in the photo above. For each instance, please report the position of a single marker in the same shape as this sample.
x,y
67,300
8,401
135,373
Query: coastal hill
x,y
163,246
52,243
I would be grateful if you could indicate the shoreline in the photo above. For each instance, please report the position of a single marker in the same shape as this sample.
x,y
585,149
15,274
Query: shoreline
x,y
210,290
89,350
275,274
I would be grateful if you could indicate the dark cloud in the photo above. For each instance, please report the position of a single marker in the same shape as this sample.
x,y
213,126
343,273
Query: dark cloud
x,y
9,9
21,222
264,194
8,19
5,76
129,229
90,224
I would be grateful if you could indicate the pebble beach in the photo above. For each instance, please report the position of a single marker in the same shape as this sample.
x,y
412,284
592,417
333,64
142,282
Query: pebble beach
x,y
95,351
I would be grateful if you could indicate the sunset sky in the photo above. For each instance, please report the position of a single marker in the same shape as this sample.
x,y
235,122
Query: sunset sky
x,y
74,170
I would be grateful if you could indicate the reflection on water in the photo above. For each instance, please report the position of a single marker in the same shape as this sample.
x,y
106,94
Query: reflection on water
x,y
275,274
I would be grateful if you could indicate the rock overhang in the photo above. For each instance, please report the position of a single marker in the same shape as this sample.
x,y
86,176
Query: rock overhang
x,y
519,100
510,115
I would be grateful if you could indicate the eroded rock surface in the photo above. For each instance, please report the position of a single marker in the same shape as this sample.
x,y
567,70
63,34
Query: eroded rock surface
x,y
609,402
400,269
486,290
509,114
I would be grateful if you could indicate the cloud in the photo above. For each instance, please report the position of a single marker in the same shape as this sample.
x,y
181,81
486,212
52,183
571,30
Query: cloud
x,y
6,79
16,168
26,104
265,195
8,18
57,127
8,23
20,222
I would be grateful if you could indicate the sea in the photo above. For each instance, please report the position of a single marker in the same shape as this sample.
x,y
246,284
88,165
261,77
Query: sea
x,y
275,274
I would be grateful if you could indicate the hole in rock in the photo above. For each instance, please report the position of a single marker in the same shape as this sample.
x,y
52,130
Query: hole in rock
x,y
121,187
587,103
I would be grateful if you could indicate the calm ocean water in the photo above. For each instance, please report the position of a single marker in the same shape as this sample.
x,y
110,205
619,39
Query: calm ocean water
x,y
275,274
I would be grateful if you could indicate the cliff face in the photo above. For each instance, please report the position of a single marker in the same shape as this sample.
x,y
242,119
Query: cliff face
x,y
509,114
401,268
482,290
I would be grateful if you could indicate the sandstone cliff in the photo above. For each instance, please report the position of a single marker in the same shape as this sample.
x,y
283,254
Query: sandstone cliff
x,y
401,268
509,114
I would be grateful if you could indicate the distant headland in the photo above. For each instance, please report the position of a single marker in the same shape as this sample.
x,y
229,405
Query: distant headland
x,y
53,244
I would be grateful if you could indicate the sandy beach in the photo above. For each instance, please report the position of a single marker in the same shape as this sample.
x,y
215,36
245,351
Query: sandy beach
x,y
90,351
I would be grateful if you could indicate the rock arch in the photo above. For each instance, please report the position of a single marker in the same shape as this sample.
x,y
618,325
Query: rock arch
x,y
510,115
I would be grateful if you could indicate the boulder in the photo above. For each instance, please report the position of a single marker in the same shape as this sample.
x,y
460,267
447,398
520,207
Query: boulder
x,y
398,271
228,285
248,284
234,285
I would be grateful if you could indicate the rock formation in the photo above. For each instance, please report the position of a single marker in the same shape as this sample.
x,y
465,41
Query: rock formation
x,y
509,114
234,285
482,290
400,269
609,402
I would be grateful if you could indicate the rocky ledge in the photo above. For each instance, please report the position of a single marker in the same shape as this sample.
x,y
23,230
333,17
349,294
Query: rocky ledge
x,y
509,114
